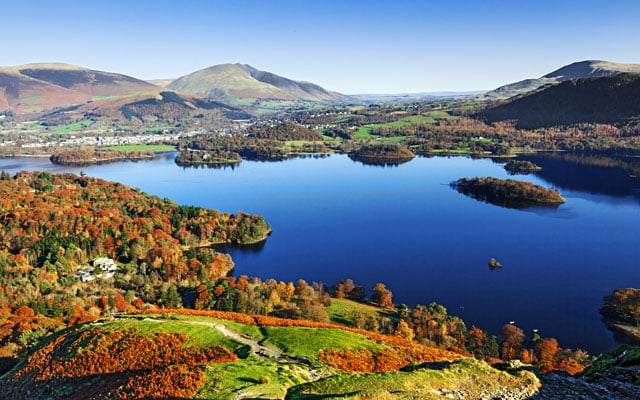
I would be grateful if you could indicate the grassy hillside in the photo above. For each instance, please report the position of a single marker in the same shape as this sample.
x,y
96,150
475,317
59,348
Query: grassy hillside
x,y
231,355
243,81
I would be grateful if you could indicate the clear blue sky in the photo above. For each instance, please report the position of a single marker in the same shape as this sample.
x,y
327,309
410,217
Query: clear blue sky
x,y
349,46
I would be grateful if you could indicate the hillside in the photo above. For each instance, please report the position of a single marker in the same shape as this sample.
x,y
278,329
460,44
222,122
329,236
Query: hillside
x,y
35,88
607,99
581,69
223,355
244,81
156,105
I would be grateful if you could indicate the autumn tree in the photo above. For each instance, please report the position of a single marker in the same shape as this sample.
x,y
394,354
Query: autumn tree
x,y
404,331
547,351
512,339
382,295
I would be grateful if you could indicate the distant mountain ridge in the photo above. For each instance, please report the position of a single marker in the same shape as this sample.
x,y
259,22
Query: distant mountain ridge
x,y
39,87
245,81
608,99
580,69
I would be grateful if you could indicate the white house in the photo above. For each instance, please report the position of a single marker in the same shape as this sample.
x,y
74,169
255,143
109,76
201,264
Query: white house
x,y
107,267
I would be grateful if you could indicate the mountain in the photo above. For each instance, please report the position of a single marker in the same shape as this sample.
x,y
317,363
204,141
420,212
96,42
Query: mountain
x,y
581,69
244,81
150,106
35,88
606,99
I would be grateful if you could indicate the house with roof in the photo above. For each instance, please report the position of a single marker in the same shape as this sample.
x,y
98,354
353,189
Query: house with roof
x,y
103,268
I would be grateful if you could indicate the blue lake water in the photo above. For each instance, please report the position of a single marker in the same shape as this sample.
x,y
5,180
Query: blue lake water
x,y
334,218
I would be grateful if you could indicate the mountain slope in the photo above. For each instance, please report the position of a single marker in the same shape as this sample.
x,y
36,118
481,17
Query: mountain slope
x,y
36,88
581,69
607,99
150,106
244,81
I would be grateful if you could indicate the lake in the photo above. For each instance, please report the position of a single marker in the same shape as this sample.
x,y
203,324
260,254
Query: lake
x,y
334,218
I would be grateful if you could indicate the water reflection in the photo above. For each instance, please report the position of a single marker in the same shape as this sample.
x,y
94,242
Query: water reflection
x,y
245,248
604,175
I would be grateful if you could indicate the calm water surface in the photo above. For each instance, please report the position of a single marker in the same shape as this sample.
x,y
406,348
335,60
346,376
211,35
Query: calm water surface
x,y
334,218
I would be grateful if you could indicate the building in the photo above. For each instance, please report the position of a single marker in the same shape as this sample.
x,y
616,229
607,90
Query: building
x,y
106,269
107,265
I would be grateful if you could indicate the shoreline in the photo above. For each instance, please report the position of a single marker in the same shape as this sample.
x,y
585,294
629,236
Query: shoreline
x,y
210,244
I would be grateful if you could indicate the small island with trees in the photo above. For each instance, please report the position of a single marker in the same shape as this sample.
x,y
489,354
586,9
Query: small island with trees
x,y
508,193
382,154
209,158
83,157
521,167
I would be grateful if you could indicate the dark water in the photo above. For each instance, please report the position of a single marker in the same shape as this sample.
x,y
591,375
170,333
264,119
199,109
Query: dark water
x,y
334,218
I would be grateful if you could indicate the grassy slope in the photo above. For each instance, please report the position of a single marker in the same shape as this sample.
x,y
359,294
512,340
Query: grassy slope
x,y
342,311
308,342
270,378
472,377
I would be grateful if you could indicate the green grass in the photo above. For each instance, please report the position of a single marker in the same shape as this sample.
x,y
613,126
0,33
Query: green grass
x,y
393,139
299,143
249,331
241,101
148,147
471,376
223,381
308,342
429,117
342,311
364,132
73,127
199,335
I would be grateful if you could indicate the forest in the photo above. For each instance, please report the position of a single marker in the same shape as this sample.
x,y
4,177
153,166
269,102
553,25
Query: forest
x,y
52,225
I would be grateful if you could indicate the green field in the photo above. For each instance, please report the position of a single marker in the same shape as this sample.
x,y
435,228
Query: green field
x,y
74,127
141,147
430,117
308,342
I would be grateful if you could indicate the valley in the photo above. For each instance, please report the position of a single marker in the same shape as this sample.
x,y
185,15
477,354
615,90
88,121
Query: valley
x,y
343,263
